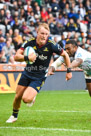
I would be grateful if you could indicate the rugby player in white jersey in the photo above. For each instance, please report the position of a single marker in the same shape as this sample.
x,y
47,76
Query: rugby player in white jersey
x,y
81,59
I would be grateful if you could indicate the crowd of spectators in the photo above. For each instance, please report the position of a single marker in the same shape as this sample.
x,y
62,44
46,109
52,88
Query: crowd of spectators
x,y
19,19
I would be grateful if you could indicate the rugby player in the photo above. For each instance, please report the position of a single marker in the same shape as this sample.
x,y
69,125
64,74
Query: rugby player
x,y
33,76
81,59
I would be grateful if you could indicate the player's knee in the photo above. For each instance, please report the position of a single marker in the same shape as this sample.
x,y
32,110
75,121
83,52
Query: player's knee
x,y
26,100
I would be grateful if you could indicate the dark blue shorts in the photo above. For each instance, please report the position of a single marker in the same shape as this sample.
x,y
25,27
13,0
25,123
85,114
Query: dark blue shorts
x,y
33,82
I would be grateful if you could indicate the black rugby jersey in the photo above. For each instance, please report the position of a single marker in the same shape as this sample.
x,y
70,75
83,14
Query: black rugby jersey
x,y
44,53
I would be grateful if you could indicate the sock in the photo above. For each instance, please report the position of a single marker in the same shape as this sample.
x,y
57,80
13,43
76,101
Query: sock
x,y
15,113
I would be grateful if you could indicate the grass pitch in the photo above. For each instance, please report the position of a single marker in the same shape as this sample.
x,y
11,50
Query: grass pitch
x,y
55,113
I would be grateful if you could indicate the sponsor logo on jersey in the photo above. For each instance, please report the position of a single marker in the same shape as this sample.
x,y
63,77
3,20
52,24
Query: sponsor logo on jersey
x,y
41,57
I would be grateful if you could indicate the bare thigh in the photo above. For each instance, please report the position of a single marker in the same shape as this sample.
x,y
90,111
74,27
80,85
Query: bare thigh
x,y
29,94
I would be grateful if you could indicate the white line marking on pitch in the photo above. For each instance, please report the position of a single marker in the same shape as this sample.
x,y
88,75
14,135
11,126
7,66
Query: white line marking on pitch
x,y
63,92
48,129
57,111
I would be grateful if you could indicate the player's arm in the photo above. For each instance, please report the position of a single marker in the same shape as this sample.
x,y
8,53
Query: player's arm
x,y
55,65
63,58
76,63
66,59
68,64
20,56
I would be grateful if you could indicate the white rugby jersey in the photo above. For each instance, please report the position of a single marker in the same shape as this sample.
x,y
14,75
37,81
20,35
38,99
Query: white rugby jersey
x,y
86,57
82,54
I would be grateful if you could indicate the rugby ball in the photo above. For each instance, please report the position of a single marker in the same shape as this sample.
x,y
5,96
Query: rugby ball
x,y
28,50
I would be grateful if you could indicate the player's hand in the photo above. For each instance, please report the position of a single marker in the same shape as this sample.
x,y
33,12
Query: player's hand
x,y
68,76
32,57
51,70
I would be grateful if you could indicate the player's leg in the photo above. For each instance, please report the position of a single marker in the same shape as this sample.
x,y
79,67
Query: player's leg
x,y
89,88
16,104
88,84
18,97
31,91
29,94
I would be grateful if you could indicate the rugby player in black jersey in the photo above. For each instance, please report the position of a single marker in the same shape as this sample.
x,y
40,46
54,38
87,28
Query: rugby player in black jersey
x,y
33,76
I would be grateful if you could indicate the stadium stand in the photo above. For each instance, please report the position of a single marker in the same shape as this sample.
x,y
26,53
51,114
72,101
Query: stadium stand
x,y
67,19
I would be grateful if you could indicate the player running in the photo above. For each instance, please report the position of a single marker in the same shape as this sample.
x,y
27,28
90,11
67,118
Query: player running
x,y
81,59
33,77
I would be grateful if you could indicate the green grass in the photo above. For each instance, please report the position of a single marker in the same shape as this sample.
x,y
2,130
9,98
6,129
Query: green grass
x,y
55,113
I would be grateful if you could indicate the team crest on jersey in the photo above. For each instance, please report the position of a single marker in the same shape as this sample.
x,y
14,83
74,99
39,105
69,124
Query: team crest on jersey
x,y
46,49
35,48
79,55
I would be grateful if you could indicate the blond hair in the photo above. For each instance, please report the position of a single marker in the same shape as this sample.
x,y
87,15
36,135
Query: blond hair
x,y
45,25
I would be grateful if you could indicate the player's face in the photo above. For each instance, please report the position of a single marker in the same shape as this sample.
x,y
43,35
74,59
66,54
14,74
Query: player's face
x,y
42,36
70,49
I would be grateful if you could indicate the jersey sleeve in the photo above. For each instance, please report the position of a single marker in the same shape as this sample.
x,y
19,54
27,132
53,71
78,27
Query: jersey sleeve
x,y
56,48
58,62
80,54
23,45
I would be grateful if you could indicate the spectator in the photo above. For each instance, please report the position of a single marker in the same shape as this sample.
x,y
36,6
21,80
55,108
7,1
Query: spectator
x,y
44,14
73,15
8,17
37,11
2,57
2,16
82,10
23,14
16,25
9,51
17,39
28,7
87,44
62,4
88,18
1,33
55,7
25,29
49,9
53,27
9,33
60,19
20,4
31,17
73,6
71,26
67,8
2,43
51,18
89,49
87,5
68,18
65,19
